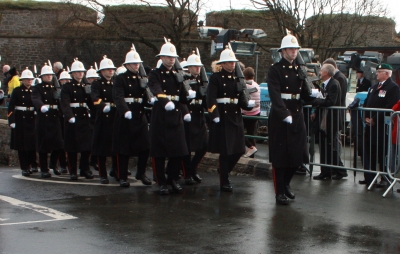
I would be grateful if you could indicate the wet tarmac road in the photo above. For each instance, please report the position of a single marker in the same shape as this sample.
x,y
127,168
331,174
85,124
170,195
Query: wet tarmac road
x,y
326,217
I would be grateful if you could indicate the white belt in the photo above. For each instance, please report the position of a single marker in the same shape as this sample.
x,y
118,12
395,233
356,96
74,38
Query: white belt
x,y
196,101
289,96
109,104
227,100
137,100
173,97
25,108
51,106
78,105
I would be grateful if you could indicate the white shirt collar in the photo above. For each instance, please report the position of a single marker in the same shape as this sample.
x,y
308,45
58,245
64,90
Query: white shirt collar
x,y
326,82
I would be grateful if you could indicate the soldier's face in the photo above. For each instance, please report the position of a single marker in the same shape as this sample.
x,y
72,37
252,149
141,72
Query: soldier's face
x,y
290,53
228,66
168,61
27,82
47,77
91,80
77,75
63,81
194,70
107,73
134,67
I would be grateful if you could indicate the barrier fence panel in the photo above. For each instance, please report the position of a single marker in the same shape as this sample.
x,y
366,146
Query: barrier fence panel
x,y
393,160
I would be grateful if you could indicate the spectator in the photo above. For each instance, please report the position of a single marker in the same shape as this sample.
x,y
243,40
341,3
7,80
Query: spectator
x,y
58,68
7,77
363,84
215,67
14,80
251,124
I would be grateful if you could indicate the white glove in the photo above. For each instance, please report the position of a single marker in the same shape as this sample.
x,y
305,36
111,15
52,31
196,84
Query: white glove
x,y
128,115
192,94
187,118
44,109
106,109
12,125
316,93
216,120
72,120
169,106
251,103
288,119
152,100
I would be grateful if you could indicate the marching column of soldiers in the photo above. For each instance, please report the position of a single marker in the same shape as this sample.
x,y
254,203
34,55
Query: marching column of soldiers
x,y
55,117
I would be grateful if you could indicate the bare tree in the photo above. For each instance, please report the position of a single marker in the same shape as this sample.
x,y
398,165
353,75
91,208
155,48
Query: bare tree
x,y
326,23
145,21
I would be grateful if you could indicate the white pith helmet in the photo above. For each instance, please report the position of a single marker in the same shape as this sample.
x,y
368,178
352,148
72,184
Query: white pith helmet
x,y
46,70
194,60
92,73
106,63
168,49
159,63
183,63
289,41
227,56
26,74
120,70
64,75
77,66
132,56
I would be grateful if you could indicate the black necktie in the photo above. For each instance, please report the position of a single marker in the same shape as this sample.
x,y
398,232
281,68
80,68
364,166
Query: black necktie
x,y
380,85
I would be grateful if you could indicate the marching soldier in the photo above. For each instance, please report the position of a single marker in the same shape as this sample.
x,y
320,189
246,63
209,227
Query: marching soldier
x,y
131,136
196,130
45,98
167,133
78,133
21,118
225,101
103,128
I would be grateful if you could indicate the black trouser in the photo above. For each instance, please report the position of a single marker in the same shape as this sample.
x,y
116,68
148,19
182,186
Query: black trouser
x,y
73,162
282,178
25,159
93,160
43,160
330,153
123,162
372,150
226,164
61,158
32,159
250,126
174,166
190,164
101,163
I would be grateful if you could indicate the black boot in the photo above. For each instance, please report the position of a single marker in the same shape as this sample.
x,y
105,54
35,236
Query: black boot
x,y
288,192
281,199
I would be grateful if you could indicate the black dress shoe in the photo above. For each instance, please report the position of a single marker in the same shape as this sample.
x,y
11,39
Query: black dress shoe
x,y
104,180
73,177
226,188
34,170
189,181
124,183
362,182
26,173
281,199
46,174
128,172
289,193
94,165
63,170
87,174
144,179
112,173
164,190
176,187
197,178
321,177
56,172
337,177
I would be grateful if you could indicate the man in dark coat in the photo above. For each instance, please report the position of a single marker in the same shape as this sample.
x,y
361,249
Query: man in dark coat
x,y
329,122
48,129
78,132
7,77
286,126
195,130
167,132
131,134
225,101
363,84
384,94
21,118
101,93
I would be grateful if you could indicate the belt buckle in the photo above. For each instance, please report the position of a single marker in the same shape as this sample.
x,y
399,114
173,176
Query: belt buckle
x,y
231,100
135,100
50,106
197,101
28,108
80,104
293,96
173,97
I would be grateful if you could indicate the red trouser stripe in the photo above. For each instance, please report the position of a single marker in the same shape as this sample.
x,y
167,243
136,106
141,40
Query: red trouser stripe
x,y
274,177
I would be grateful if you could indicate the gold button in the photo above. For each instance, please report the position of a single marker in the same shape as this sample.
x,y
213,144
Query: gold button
x,y
224,84
75,114
106,115
75,99
176,109
225,111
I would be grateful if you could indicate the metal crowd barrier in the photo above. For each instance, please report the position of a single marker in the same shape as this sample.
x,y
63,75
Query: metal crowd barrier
x,y
393,161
